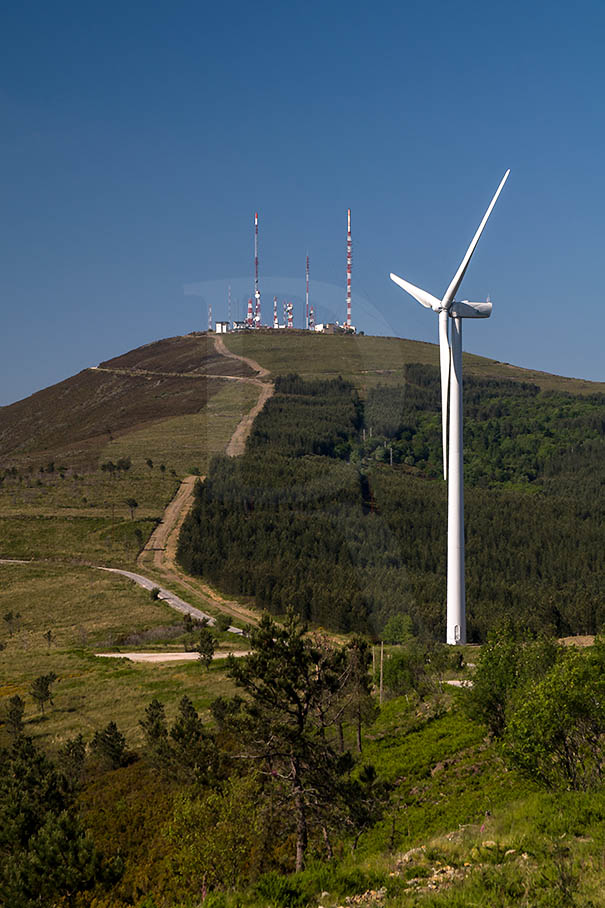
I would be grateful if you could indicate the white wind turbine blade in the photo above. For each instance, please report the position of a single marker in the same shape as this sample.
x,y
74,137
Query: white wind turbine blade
x,y
444,360
425,299
451,291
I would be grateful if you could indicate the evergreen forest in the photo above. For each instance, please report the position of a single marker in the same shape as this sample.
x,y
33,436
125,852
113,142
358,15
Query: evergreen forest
x,y
338,509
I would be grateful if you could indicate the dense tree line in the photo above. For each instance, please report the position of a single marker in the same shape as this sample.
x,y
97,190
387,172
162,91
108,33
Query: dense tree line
x,y
328,414
312,517
513,433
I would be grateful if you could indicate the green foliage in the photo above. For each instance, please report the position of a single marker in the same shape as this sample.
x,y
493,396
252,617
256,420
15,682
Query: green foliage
x,y
205,646
154,724
555,732
295,691
71,757
328,413
418,668
192,755
219,836
513,433
126,812
187,751
14,716
223,622
280,891
398,629
506,664
41,690
349,545
44,851
109,745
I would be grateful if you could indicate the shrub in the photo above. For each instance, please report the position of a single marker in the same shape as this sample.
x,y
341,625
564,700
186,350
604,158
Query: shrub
x,y
555,731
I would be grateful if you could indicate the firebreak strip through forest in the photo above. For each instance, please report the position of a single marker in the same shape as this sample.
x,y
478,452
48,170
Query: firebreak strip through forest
x,y
337,508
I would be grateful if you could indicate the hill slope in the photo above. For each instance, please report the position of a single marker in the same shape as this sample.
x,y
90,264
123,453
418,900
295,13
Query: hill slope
x,y
368,360
73,420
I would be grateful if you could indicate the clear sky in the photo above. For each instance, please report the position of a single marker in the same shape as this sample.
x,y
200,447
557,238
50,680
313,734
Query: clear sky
x,y
139,139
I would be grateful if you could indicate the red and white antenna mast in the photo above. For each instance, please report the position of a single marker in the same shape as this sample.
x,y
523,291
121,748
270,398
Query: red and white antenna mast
x,y
275,318
256,290
210,318
311,319
307,295
290,309
250,319
349,266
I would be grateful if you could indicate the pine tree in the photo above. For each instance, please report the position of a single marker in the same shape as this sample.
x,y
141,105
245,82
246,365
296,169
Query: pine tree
x,y
41,690
110,745
14,716
286,679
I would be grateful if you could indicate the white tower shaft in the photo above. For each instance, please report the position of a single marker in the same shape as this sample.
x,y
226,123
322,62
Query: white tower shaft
x,y
307,295
456,612
349,266
256,287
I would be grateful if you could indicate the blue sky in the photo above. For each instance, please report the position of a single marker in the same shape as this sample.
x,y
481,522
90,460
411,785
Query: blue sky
x,y
139,139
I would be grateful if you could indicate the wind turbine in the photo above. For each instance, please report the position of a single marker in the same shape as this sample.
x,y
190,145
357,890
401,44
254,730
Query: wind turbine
x,y
450,357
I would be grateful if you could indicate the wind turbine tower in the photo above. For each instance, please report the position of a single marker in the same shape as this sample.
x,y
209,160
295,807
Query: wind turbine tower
x,y
451,313
307,295
349,266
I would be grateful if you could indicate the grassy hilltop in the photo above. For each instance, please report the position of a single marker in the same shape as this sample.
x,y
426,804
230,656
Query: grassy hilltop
x,y
366,361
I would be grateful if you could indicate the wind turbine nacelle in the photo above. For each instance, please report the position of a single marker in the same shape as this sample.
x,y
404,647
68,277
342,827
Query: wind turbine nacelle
x,y
464,309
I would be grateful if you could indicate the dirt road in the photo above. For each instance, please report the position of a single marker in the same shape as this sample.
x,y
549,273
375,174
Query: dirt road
x,y
219,346
160,551
166,657
171,522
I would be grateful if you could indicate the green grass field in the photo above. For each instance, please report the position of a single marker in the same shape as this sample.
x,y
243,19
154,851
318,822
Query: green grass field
x,y
89,611
85,515
187,442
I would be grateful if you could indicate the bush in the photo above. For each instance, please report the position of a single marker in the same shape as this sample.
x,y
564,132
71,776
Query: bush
x,y
506,664
279,891
554,733
223,622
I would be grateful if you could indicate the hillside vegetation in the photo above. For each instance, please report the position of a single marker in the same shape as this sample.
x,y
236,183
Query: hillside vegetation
x,y
297,776
67,485
296,788
71,422
338,508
